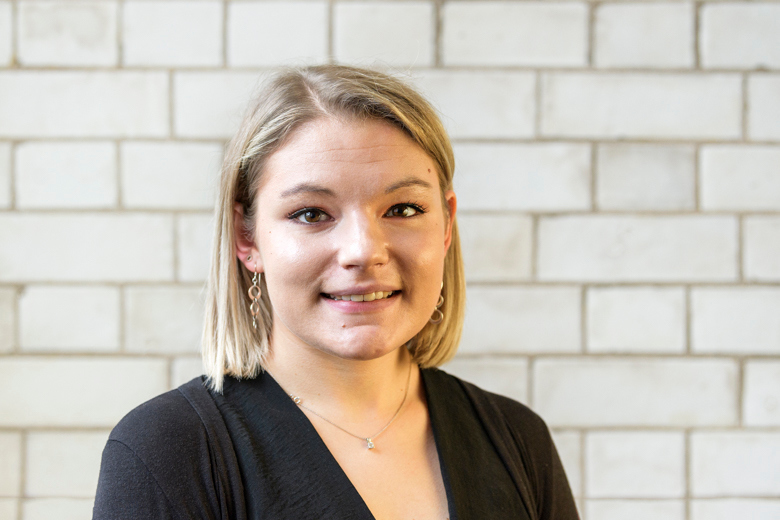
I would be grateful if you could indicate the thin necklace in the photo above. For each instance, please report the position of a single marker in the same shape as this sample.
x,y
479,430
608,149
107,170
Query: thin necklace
x,y
369,440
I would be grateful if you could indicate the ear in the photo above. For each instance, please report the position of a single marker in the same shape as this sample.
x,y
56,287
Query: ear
x,y
452,204
246,250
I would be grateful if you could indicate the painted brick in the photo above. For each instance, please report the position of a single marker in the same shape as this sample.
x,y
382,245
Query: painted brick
x,y
735,464
85,392
63,464
7,319
522,319
59,508
740,178
635,465
635,509
83,104
740,35
507,377
636,392
761,405
654,35
5,175
524,177
636,319
496,247
210,104
637,248
10,464
730,508
515,33
764,107
184,369
86,319
272,33
170,175
761,248
668,106
9,508
163,319
67,33
392,33
735,319
66,175
90,247
569,447
194,236
175,33
652,177
482,104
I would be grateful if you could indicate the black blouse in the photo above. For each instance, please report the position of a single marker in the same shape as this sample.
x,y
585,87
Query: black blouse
x,y
251,453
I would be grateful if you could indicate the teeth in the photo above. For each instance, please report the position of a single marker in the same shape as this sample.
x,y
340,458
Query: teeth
x,y
363,297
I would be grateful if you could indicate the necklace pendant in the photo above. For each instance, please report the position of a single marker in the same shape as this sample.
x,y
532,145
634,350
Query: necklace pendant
x,y
370,444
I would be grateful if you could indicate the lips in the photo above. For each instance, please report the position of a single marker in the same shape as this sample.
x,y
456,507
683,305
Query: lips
x,y
369,297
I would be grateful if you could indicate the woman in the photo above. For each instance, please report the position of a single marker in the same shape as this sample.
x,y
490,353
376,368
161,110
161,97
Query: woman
x,y
336,287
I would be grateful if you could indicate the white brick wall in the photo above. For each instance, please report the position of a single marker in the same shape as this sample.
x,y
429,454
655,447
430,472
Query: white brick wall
x,y
271,33
66,175
515,33
618,181
176,33
652,35
74,33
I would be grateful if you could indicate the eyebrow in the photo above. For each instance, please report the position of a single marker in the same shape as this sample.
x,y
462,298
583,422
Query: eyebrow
x,y
313,188
405,183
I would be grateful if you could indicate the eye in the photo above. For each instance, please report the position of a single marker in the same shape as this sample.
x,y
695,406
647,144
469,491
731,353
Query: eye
x,y
309,215
404,210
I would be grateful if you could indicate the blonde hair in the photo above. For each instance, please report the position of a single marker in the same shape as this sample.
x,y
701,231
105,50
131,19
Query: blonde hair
x,y
231,346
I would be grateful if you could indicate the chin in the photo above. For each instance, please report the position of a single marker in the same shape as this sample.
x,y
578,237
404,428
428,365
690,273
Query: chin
x,y
360,349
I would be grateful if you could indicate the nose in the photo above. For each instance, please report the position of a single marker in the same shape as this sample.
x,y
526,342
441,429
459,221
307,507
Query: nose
x,y
361,242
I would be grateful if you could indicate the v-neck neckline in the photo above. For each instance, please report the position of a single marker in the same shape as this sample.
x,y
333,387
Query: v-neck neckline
x,y
312,431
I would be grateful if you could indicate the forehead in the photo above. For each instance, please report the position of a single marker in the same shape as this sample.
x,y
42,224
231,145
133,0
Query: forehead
x,y
348,153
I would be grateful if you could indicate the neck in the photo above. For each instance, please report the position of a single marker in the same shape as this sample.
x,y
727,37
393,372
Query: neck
x,y
347,389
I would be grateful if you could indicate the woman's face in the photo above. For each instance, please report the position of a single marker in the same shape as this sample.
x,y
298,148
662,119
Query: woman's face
x,y
349,211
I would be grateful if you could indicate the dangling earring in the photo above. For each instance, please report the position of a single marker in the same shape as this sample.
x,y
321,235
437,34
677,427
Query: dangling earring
x,y
438,316
254,294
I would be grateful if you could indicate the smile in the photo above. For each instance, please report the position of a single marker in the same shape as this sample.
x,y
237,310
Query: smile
x,y
379,295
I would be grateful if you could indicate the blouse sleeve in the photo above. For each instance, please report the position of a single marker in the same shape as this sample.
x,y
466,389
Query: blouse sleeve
x,y
126,488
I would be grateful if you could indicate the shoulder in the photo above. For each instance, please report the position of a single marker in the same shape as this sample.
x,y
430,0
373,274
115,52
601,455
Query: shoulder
x,y
521,420
167,418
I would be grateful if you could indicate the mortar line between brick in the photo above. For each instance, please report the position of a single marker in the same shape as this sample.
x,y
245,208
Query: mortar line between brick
x,y
530,371
175,243
591,36
14,36
583,463
17,325
120,47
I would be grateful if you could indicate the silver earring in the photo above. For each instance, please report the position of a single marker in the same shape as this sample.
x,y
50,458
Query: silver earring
x,y
438,316
254,294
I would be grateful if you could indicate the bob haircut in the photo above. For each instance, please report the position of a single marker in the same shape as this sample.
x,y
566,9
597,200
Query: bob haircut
x,y
231,346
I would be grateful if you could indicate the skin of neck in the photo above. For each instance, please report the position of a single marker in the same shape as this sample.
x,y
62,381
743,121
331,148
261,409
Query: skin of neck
x,y
347,389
